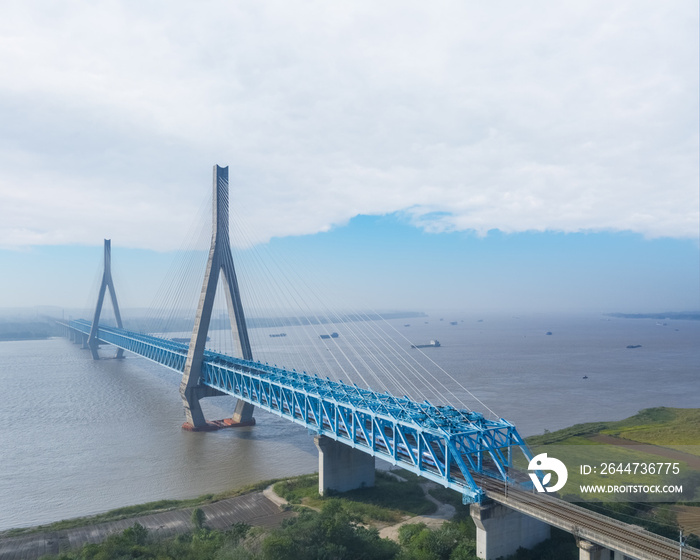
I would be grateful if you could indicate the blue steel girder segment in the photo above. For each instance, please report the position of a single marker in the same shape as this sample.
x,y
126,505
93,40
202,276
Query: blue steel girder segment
x,y
444,455
440,443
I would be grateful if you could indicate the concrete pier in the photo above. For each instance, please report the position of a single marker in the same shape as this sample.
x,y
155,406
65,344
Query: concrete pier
x,y
591,551
500,531
342,468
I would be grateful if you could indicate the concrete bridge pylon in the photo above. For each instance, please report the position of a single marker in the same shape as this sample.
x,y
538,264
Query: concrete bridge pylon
x,y
220,262
107,282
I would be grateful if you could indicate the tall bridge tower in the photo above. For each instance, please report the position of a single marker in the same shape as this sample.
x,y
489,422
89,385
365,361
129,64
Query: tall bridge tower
x,y
107,282
220,262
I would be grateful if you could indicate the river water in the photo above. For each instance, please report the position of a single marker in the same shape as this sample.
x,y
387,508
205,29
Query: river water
x,y
80,437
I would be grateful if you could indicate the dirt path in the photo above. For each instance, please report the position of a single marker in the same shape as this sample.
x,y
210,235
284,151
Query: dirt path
x,y
255,509
443,513
693,461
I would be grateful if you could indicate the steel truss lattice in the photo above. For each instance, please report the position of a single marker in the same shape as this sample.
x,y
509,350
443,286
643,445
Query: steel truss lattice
x,y
440,443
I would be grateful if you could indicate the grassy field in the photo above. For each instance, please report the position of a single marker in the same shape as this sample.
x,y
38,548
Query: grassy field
x,y
388,501
665,427
653,436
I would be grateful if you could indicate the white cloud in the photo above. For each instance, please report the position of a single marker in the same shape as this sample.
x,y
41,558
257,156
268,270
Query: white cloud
x,y
571,117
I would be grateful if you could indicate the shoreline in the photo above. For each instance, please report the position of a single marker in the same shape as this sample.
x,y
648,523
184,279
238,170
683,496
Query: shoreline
x,y
253,508
258,506
138,510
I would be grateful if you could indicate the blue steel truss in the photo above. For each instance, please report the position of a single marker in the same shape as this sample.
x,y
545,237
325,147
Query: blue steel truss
x,y
440,443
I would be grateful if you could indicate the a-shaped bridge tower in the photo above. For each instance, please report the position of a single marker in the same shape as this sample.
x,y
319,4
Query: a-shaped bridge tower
x,y
106,284
220,262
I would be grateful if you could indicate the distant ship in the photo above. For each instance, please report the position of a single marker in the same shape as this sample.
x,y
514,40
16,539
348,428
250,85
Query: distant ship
x,y
453,322
278,335
431,344
332,335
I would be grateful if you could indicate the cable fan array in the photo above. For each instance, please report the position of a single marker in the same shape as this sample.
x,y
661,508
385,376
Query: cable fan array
x,y
295,321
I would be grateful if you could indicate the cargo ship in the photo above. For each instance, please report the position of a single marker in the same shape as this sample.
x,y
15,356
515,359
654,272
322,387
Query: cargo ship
x,y
332,335
431,344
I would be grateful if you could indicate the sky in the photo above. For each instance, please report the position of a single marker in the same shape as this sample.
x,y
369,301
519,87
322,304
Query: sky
x,y
491,156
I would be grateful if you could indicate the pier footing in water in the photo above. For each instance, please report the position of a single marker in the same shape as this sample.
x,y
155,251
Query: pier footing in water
x,y
214,425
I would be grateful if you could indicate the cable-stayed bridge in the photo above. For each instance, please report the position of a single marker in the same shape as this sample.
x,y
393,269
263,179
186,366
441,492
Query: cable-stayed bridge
x,y
455,447
441,443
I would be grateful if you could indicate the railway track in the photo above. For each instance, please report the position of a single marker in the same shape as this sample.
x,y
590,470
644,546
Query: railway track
x,y
587,525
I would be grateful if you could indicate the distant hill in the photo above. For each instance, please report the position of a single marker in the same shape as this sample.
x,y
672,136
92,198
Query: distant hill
x,y
673,315
23,328
28,330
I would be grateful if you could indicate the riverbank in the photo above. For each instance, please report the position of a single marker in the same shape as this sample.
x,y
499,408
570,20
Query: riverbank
x,y
395,501
139,510
254,509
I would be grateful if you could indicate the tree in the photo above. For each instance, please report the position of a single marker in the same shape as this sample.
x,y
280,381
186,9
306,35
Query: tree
x,y
198,518
333,533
